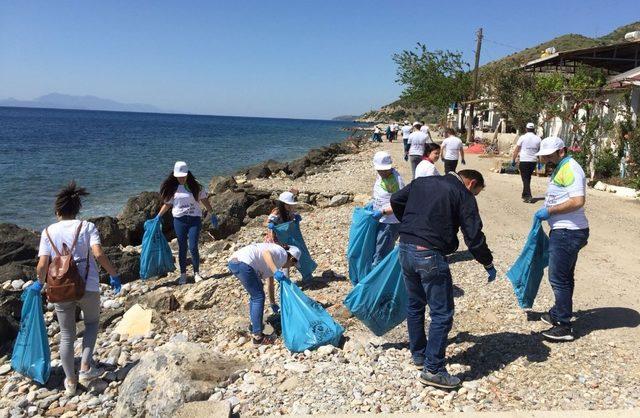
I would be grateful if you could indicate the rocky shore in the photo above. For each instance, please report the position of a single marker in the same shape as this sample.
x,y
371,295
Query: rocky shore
x,y
198,359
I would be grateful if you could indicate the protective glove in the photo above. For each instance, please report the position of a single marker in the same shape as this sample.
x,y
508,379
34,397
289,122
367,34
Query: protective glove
x,y
157,217
464,162
36,286
275,308
114,281
271,226
491,271
542,214
377,214
214,221
406,157
279,276
297,218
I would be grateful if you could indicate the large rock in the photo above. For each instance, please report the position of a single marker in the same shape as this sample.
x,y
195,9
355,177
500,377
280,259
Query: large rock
x,y
17,271
177,373
18,244
231,208
258,171
260,207
10,307
204,409
111,233
127,264
276,166
137,210
161,299
298,167
219,184
200,295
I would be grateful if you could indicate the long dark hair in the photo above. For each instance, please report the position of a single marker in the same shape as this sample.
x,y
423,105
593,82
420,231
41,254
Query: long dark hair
x,y
283,212
68,202
170,185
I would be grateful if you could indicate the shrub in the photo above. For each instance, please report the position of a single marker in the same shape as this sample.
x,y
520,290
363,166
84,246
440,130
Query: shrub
x,y
607,164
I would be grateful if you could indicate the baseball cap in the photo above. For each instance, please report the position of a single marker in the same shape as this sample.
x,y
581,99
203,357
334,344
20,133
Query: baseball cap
x,y
295,253
550,145
530,125
180,169
288,198
382,161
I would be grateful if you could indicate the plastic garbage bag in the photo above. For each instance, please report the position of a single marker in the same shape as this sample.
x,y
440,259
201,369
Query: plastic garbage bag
x,y
362,243
305,323
31,355
380,299
526,273
155,258
289,233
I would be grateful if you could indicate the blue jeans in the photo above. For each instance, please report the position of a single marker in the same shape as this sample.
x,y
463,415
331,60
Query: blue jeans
x,y
188,229
427,279
564,245
385,240
253,285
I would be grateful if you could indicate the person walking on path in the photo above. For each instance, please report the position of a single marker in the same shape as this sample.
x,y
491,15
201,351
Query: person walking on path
x,y
431,210
425,129
427,166
526,148
82,240
377,134
388,182
564,209
406,131
417,140
387,133
394,131
183,194
251,265
452,150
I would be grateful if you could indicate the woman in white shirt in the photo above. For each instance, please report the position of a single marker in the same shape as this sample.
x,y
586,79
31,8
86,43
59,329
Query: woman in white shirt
x,y
427,166
182,192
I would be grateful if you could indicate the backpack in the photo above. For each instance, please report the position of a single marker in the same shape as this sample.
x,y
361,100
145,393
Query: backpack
x,y
64,283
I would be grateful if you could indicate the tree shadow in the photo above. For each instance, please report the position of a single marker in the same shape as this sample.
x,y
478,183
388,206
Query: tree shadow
x,y
459,256
493,352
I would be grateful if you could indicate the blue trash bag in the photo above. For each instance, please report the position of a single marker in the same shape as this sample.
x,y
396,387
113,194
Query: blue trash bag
x,y
305,323
155,258
362,243
31,355
526,273
289,233
380,299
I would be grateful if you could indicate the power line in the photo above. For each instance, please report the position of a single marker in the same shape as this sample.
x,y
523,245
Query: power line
x,y
501,44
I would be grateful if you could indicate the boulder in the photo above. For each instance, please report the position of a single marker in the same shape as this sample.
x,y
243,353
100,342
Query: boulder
x,y
219,184
231,208
137,210
260,207
204,409
161,299
276,166
339,199
258,171
16,271
174,374
111,233
198,296
18,244
10,307
127,264
298,167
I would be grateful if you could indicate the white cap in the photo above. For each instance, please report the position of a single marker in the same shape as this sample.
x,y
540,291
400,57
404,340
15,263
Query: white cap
x,y
530,125
295,253
550,145
288,198
417,123
406,122
180,169
382,161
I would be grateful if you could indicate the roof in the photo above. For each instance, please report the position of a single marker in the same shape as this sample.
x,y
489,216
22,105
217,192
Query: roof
x,y
631,77
615,58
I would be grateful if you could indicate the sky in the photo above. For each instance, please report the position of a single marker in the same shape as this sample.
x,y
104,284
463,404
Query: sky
x,y
299,59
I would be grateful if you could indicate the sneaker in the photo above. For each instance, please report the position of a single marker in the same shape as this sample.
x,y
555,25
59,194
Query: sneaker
x,y
264,340
440,380
183,279
418,363
197,277
546,318
85,377
69,388
559,333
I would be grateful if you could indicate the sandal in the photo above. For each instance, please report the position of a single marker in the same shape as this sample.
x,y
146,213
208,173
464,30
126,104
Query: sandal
x,y
264,340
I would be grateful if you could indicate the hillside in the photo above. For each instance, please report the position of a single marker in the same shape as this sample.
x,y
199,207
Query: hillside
x,y
398,110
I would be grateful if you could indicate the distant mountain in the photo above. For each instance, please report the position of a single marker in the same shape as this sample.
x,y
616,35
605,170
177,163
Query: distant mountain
x,y
346,118
65,101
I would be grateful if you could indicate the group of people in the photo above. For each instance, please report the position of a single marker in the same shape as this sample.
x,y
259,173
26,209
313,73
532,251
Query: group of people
x,y
425,215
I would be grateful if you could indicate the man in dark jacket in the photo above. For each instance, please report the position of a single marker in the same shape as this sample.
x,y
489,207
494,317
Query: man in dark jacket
x,y
431,210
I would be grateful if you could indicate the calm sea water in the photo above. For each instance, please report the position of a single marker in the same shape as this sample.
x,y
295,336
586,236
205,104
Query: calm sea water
x,y
116,155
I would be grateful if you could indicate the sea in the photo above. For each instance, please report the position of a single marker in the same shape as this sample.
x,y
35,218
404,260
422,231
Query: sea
x,y
116,155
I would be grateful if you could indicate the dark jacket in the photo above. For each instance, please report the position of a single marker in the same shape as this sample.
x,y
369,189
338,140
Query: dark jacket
x,y
432,210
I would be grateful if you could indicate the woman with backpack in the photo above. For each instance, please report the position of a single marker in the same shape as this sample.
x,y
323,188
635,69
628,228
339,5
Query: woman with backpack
x,y
183,194
66,262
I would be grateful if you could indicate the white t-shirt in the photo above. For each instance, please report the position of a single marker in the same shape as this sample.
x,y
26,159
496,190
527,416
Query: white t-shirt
x,y
453,146
569,181
184,203
64,232
252,255
406,131
394,127
417,140
425,129
529,144
382,191
425,169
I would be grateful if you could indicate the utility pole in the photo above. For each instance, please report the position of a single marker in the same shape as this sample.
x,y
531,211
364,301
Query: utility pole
x,y
474,90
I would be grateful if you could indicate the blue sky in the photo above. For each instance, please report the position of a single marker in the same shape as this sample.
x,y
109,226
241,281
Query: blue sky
x,y
301,59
